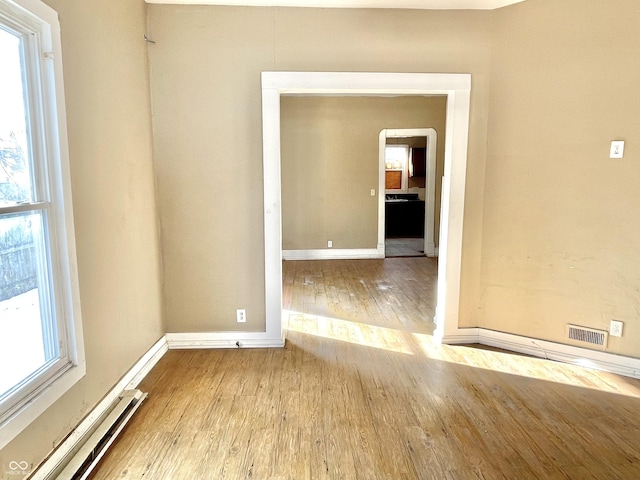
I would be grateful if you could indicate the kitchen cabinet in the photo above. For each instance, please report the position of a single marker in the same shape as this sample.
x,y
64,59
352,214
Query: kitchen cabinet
x,y
404,215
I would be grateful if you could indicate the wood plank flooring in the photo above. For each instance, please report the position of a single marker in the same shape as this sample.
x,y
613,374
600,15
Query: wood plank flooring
x,y
361,392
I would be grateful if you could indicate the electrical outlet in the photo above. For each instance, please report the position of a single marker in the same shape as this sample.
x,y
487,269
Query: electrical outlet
x,y
241,315
330,244
615,328
617,149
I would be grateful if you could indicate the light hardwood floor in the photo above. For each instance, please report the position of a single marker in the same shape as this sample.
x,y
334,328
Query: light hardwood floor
x,y
361,392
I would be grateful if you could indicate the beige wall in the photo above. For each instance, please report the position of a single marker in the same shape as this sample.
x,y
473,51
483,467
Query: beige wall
x,y
553,241
108,110
330,164
205,79
561,222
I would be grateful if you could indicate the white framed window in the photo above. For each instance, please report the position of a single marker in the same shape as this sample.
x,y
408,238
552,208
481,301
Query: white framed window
x,y
396,161
41,349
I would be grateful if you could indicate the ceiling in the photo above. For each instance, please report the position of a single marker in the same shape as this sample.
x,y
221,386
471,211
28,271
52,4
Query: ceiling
x,y
415,4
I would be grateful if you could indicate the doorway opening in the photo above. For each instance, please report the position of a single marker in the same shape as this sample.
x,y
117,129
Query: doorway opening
x,y
457,89
409,223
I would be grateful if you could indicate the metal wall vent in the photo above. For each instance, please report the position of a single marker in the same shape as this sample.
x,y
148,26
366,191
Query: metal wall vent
x,y
578,334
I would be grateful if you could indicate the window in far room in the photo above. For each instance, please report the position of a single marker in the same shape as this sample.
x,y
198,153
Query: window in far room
x,y
396,161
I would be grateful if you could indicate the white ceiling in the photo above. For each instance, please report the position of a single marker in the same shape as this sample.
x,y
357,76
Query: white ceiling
x,y
416,4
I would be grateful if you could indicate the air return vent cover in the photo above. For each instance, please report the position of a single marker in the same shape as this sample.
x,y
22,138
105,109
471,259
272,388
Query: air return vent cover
x,y
582,335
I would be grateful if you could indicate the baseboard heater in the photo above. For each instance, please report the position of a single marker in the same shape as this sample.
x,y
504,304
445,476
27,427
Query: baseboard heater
x,y
79,461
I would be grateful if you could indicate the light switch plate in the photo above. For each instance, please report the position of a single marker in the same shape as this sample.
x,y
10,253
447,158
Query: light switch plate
x,y
617,149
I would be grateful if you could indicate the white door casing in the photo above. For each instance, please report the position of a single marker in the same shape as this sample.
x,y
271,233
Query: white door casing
x,y
430,187
457,88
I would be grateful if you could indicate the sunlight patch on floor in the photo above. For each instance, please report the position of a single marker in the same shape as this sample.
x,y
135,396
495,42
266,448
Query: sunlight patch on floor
x,y
578,375
411,343
347,331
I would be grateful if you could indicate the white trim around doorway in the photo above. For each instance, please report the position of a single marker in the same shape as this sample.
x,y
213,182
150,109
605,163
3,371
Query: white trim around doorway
x,y
457,88
430,190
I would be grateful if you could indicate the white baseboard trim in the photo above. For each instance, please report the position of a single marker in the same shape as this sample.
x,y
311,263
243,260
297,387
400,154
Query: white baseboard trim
x,y
222,340
143,366
462,336
607,362
78,436
333,254
132,378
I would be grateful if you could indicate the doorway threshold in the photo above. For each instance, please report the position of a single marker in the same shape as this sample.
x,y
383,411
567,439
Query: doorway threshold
x,y
404,247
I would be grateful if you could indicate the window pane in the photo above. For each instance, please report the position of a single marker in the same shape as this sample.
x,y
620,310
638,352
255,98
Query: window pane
x,y
395,157
15,178
27,329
